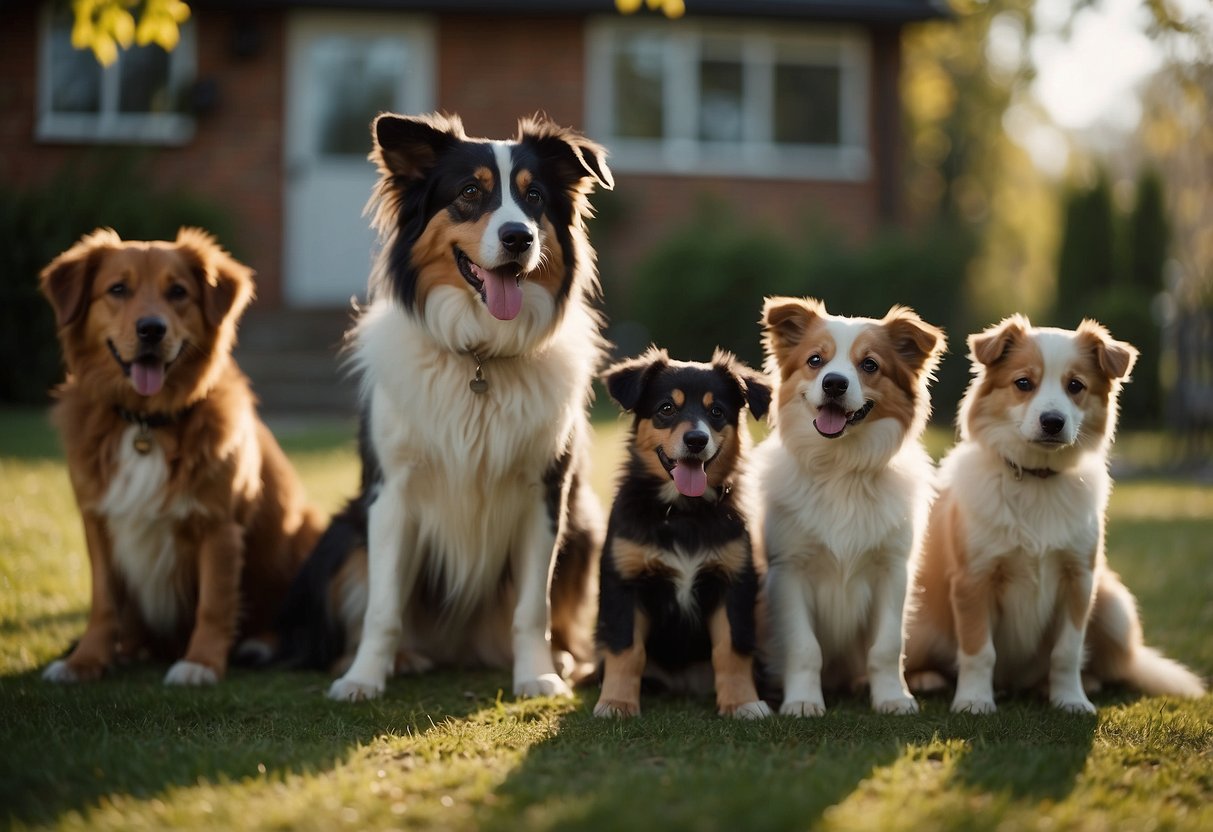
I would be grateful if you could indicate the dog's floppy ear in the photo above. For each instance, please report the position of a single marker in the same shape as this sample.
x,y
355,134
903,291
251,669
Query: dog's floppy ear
x,y
408,146
990,345
1116,358
576,158
226,284
68,279
753,385
785,321
917,342
625,381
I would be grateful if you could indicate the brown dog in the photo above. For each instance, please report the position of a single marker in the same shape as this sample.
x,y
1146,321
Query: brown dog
x,y
194,519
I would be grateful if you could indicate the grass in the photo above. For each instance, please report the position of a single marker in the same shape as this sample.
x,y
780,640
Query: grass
x,y
451,751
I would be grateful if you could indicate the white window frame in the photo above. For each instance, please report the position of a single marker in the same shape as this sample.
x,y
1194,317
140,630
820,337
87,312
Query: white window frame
x,y
680,151
109,125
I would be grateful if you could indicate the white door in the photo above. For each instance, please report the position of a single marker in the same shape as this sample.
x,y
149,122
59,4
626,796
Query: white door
x,y
342,69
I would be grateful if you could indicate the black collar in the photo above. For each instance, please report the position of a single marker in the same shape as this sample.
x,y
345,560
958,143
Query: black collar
x,y
1042,473
154,419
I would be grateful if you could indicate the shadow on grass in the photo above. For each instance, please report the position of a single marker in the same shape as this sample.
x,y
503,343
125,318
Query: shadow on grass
x,y
64,749
681,766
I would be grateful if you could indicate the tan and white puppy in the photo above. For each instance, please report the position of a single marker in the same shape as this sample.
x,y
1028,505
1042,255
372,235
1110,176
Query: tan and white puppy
x,y
1013,580
846,486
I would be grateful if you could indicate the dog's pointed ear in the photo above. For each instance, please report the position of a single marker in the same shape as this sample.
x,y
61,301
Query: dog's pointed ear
x,y
1115,358
226,283
785,321
753,385
67,281
917,342
579,161
408,146
990,345
625,381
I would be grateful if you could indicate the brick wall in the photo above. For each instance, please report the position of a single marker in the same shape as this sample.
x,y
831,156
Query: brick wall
x,y
235,158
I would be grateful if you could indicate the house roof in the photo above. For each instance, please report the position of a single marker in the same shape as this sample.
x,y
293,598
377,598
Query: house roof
x,y
869,11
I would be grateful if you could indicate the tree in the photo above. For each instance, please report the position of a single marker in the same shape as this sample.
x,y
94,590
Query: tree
x,y
105,26
1086,262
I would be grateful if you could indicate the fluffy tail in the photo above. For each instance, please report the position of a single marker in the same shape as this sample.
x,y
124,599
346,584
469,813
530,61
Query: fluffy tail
x,y
312,630
1153,673
1118,653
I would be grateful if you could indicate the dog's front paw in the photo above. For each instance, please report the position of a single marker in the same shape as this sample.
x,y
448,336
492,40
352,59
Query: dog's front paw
x,y
346,689
190,674
63,672
802,709
616,709
898,705
1073,704
973,706
546,684
746,710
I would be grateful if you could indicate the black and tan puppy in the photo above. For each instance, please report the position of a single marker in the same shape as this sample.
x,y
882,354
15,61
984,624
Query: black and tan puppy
x,y
679,574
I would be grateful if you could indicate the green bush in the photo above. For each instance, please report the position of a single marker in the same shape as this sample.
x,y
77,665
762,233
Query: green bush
x,y
107,189
704,286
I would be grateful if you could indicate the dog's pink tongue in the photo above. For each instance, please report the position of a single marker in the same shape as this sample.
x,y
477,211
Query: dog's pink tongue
x,y
148,378
690,478
831,420
502,292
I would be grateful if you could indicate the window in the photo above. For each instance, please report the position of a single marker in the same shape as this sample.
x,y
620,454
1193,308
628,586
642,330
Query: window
x,y
139,98
732,99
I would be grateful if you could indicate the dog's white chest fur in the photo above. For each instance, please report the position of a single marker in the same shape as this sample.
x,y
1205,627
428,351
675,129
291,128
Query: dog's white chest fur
x,y
140,521
475,461
1032,531
836,530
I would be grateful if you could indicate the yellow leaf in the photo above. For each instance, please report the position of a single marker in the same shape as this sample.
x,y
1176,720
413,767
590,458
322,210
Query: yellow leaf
x,y
674,9
179,11
627,6
118,23
83,33
105,49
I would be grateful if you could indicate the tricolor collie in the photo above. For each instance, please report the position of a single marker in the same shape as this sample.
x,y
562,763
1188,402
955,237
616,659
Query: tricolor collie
x,y
194,521
846,488
474,538
679,579
1013,589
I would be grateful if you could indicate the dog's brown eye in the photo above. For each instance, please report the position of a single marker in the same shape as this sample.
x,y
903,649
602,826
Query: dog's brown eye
x,y
176,292
666,409
717,412
470,191
814,360
534,197
1025,384
869,365
118,290
1075,387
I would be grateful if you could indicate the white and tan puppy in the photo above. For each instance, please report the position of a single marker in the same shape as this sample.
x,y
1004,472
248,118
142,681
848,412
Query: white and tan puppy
x,y
1013,580
846,488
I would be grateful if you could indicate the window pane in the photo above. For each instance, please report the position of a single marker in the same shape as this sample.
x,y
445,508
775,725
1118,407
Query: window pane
x,y
720,101
354,79
144,87
639,90
75,74
807,104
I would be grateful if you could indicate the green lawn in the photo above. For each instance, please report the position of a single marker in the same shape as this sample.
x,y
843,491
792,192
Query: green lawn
x,y
451,751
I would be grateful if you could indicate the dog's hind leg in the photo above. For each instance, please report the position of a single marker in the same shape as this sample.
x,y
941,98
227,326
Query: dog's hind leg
x,y
392,568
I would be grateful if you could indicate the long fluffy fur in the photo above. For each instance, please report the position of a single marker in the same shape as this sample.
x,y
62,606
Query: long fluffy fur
x,y
193,542
844,516
1014,590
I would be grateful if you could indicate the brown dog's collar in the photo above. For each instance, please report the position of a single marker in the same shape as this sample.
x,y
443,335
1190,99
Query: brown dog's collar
x,y
1042,473
155,419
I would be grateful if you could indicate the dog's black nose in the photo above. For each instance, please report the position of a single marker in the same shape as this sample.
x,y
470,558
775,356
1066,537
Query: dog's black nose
x,y
515,237
834,384
150,330
1051,422
695,440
